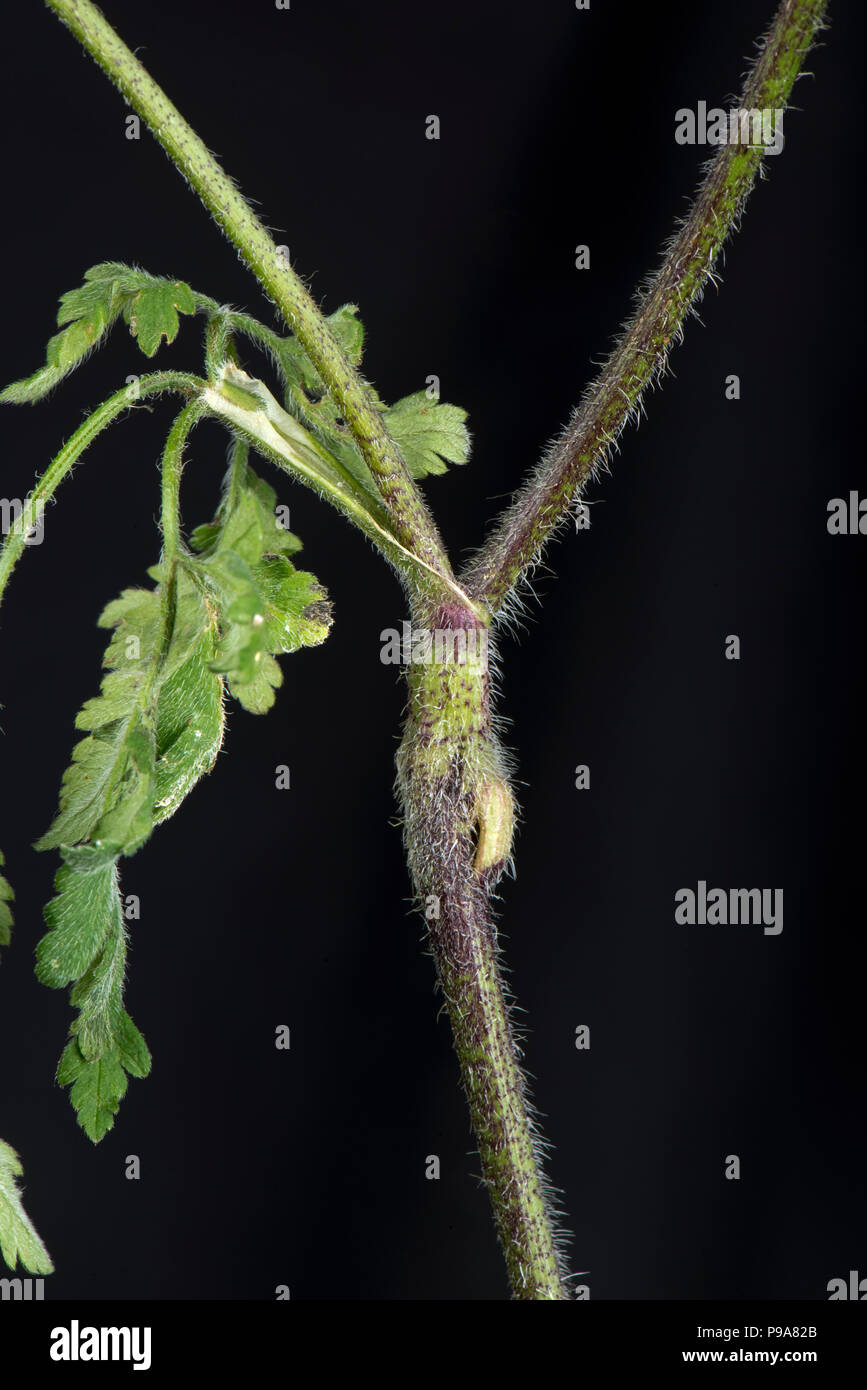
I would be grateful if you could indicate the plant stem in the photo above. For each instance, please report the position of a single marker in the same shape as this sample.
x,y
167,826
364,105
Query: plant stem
x,y
172,469
464,946
457,825
451,774
153,384
639,359
409,514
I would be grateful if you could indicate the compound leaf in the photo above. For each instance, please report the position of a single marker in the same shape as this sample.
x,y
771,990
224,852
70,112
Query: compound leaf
x,y
149,304
155,728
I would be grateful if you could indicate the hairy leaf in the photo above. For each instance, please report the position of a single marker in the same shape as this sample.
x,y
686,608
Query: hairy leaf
x,y
18,1237
98,1087
265,606
149,304
87,943
153,312
80,917
429,435
246,521
298,612
88,313
189,728
109,792
98,995
155,728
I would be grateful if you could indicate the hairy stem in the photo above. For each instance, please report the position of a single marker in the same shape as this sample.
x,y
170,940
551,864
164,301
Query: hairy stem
x,y
172,470
458,819
452,778
465,950
156,383
409,514
639,359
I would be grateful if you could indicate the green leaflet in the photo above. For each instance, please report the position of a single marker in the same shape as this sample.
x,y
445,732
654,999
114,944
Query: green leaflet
x,y
429,435
265,609
152,314
81,917
87,943
189,728
18,1238
246,520
265,606
149,304
98,1087
125,765
7,895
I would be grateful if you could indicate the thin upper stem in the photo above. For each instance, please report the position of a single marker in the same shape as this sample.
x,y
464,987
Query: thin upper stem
x,y
410,517
545,500
155,383
172,470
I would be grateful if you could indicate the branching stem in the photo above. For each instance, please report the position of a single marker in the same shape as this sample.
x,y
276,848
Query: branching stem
x,y
453,784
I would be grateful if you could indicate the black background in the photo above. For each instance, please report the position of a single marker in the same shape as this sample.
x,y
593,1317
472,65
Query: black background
x,y
262,907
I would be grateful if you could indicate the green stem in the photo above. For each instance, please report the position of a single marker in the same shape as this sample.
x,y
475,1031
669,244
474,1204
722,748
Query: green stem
x,y
240,454
154,384
172,469
545,500
409,515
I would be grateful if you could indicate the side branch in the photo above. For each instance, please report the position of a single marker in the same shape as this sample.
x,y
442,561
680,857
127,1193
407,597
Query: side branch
x,y
154,384
640,357
409,513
